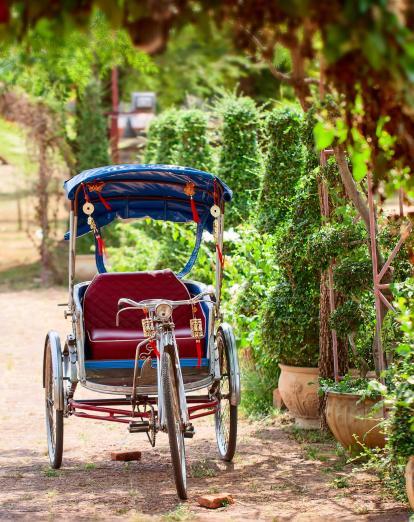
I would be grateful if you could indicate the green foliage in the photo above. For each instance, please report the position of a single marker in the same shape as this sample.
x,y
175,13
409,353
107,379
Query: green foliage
x,y
365,388
193,149
179,137
257,393
353,277
335,240
401,440
60,62
390,462
239,162
283,167
290,325
155,245
153,141
196,62
92,144
168,137
346,318
135,252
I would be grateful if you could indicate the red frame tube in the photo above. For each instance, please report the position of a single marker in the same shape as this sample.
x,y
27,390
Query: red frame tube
x,y
105,406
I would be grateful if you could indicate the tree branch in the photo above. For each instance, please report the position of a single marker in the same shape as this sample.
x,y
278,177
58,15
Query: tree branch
x,y
283,77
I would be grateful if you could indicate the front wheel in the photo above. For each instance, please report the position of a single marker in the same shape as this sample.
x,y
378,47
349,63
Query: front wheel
x,y
54,415
174,425
226,413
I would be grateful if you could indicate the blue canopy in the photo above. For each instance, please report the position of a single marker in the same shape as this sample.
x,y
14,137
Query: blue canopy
x,y
138,191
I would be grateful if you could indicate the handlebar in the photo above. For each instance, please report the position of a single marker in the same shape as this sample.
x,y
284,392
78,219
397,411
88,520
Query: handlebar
x,y
150,304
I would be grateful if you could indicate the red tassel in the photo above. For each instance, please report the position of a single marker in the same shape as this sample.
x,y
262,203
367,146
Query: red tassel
x,y
196,217
85,193
153,345
220,255
104,202
198,348
101,245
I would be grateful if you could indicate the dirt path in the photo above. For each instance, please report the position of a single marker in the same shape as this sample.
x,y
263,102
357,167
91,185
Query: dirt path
x,y
279,474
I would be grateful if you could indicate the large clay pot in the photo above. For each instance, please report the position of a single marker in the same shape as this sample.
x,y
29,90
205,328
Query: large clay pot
x,y
409,481
299,391
349,417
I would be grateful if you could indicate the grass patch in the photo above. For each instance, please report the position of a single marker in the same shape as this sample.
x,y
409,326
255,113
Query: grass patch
x,y
203,469
180,514
316,436
313,453
20,277
340,483
89,466
51,473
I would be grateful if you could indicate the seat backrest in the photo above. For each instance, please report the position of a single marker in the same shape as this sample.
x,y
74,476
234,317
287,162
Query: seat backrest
x,y
100,303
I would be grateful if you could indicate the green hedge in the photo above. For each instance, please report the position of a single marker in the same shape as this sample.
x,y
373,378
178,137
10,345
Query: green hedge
x,y
240,163
91,144
283,168
289,209
193,149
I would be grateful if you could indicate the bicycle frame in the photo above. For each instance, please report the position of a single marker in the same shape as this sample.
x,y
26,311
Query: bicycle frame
x,y
167,342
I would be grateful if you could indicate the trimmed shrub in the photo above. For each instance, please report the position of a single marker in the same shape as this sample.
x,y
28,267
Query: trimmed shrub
x,y
153,141
193,149
283,167
240,163
168,137
91,144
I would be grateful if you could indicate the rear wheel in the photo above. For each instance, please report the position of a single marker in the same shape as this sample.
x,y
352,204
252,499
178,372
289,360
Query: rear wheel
x,y
226,414
54,417
174,425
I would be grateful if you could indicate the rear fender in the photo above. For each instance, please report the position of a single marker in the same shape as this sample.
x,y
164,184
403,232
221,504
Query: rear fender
x,y
52,338
230,341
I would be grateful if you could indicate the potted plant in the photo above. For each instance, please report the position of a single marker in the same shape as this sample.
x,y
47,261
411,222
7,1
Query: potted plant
x,y
289,209
354,412
290,329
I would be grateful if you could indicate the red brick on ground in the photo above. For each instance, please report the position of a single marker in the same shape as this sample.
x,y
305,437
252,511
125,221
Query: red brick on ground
x,y
126,456
215,501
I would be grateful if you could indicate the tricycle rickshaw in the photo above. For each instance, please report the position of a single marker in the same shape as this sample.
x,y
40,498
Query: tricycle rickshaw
x,y
150,339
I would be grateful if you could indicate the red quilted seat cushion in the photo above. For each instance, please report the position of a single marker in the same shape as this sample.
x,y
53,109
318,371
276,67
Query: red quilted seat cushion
x,y
107,341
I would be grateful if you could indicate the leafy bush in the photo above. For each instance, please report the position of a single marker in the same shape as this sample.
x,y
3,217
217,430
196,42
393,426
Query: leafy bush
x,y
168,137
390,462
135,251
290,325
91,145
193,149
283,167
401,427
153,141
239,162
366,388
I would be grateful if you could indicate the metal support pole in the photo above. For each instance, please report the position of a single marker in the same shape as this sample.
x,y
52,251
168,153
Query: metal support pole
x,y
374,257
326,213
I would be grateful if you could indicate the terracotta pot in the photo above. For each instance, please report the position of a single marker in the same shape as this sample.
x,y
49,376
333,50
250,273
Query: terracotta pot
x,y
409,481
349,417
85,267
298,388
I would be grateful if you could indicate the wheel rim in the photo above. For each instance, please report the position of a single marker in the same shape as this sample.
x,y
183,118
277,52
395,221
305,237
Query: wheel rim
x,y
223,408
50,409
178,431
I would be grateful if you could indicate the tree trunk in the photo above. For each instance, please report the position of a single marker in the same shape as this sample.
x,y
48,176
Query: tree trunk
x,y
42,213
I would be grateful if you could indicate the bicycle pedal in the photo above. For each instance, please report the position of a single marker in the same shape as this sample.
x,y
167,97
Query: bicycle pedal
x,y
138,427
